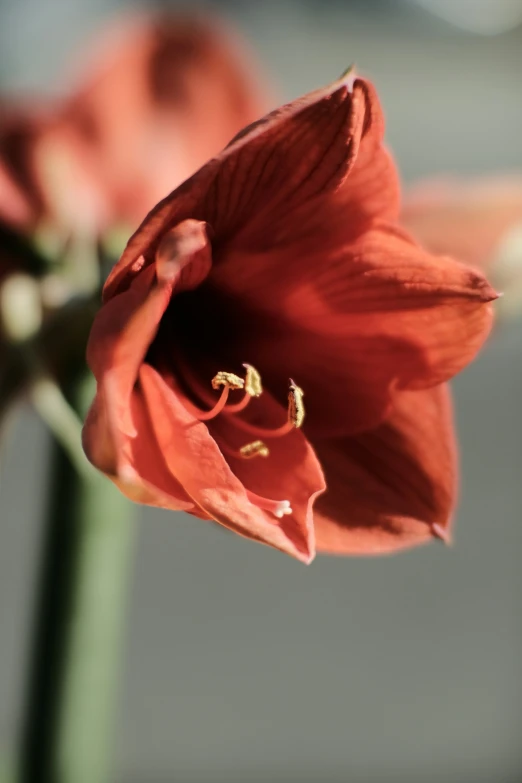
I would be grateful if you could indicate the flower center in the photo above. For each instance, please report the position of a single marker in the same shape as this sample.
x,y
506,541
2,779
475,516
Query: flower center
x,y
252,386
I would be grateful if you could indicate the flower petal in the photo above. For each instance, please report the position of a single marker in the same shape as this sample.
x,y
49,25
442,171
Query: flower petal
x,y
193,457
118,435
392,488
135,464
120,337
354,327
281,169
125,327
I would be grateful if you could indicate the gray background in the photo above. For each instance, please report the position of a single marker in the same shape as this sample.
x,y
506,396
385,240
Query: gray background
x,y
242,665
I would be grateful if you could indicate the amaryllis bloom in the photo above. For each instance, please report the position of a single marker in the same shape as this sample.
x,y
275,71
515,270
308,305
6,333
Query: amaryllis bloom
x,y
159,96
271,333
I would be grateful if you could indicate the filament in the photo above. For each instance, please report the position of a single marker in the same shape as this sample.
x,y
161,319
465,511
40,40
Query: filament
x,y
218,407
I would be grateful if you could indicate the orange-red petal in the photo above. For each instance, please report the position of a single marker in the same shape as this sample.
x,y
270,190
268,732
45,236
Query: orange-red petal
x,y
135,464
394,487
120,338
125,327
283,174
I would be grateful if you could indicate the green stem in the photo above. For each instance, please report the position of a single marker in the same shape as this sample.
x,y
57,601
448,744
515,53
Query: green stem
x,y
67,737
66,426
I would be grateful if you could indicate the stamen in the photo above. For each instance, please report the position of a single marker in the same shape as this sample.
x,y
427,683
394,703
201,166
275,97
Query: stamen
x,y
239,406
255,449
296,411
279,508
218,407
227,379
253,385
253,388
296,414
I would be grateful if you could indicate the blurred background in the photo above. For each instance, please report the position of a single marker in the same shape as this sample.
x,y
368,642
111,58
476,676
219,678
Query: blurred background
x,y
241,665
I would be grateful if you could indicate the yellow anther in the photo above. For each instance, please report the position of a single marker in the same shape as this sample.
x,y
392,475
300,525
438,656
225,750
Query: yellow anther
x,y
227,379
253,385
255,449
296,411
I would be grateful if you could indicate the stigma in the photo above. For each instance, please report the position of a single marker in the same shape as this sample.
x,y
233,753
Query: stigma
x,y
279,508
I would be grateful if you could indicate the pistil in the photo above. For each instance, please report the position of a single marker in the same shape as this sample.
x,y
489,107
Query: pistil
x,y
279,508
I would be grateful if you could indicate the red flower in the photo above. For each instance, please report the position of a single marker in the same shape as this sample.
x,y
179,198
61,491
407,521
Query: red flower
x,y
43,181
20,196
161,95
283,252
14,208
467,218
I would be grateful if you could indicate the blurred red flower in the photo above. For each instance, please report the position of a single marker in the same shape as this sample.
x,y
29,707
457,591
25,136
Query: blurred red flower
x,y
14,209
43,184
160,95
20,195
468,218
284,252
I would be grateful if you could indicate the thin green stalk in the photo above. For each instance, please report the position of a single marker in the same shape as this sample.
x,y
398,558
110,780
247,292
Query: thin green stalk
x,y
76,654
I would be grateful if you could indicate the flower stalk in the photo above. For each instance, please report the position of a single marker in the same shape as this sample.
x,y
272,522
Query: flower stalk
x,y
79,623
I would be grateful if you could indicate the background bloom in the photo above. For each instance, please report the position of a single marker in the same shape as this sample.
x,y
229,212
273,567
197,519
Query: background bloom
x,y
159,96
467,218
21,195
478,220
